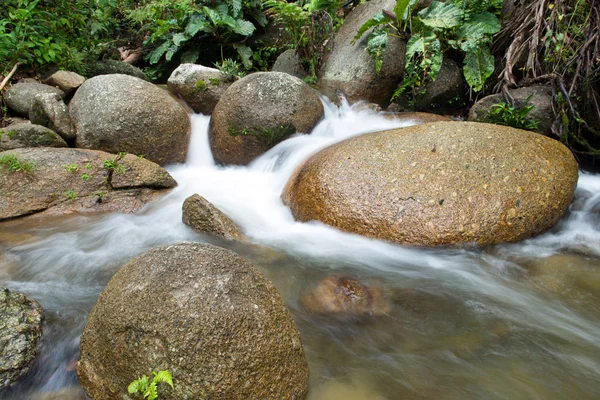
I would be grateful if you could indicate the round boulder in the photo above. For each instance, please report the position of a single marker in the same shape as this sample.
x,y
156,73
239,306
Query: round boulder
x,y
201,312
66,81
20,97
28,135
259,111
121,113
440,183
20,332
290,63
109,67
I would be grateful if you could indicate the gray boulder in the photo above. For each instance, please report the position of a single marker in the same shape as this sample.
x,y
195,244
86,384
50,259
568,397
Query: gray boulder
x,y
20,332
17,136
290,63
541,99
259,111
201,312
50,110
201,87
120,113
203,217
66,81
20,97
350,69
110,67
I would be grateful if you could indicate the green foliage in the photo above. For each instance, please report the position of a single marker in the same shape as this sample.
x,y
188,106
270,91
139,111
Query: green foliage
x,y
508,114
269,137
149,389
86,177
464,26
71,167
113,165
231,69
201,85
71,194
14,164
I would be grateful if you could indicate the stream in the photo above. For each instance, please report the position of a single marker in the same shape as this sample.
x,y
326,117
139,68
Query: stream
x,y
512,321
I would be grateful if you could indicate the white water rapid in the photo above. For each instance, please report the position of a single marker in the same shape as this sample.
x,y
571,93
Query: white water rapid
x,y
516,321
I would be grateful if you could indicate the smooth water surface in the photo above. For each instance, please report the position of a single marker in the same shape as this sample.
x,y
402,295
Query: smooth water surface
x,y
516,321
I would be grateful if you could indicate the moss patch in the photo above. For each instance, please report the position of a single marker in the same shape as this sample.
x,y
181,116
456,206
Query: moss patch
x,y
267,136
201,85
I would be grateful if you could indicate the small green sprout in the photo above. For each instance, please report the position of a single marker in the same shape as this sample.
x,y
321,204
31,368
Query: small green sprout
x,y
147,389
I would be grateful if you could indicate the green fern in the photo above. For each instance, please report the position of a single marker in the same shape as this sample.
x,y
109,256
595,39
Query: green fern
x,y
149,390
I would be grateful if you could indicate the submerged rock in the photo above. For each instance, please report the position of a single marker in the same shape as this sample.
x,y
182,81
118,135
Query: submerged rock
x,y
17,136
20,333
76,180
350,69
259,111
120,113
437,184
201,87
201,312
20,97
344,296
203,217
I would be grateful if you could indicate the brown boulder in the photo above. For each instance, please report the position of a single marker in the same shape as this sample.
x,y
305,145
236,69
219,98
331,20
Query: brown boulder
x,y
437,184
344,296
68,180
201,312
203,217
66,81
259,111
416,118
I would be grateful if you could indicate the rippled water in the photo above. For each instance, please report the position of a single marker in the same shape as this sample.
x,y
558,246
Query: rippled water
x,y
516,321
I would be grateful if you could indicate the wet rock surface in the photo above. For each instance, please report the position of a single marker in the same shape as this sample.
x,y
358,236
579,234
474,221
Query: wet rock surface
x,y
77,180
120,113
201,87
437,184
259,111
203,217
218,325
20,332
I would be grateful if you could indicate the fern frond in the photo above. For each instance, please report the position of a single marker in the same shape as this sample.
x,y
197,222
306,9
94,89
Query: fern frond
x,y
163,376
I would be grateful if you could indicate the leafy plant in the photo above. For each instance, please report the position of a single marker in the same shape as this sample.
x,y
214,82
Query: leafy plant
x,y
433,30
510,115
71,167
149,389
86,177
15,164
231,69
71,194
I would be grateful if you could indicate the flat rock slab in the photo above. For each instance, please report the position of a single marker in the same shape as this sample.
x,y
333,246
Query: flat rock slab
x,y
440,183
69,180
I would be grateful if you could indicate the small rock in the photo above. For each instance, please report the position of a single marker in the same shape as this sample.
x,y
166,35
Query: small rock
x,y
49,110
66,81
201,87
203,217
20,333
344,296
28,135
290,63
20,97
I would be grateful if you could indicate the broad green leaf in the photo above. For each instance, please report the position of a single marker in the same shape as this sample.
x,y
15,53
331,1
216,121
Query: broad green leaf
x,y
401,8
194,26
163,376
222,9
479,26
159,51
243,27
376,46
236,6
440,15
478,67
245,54
378,19
171,52
229,21
179,38
213,15
258,15
425,51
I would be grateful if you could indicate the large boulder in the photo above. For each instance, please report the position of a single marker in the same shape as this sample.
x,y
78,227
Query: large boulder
x,y
349,68
203,217
17,136
259,111
57,181
20,97
540,97
20,331
49,110
290,63
66,81
201,87
110,67
120,113
201,312
440,183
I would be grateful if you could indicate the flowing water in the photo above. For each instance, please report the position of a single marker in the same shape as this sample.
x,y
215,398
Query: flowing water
x,y
516,321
